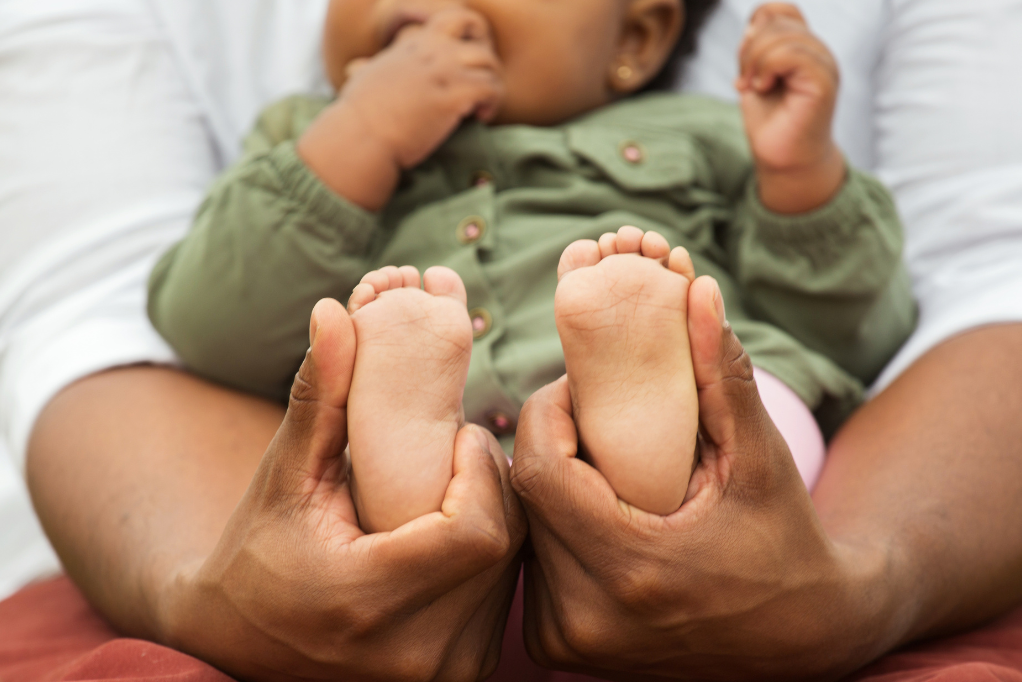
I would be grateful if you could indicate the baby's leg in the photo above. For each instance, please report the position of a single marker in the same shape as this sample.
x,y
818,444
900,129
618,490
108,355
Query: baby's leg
x,y
622,314
411,362
796,423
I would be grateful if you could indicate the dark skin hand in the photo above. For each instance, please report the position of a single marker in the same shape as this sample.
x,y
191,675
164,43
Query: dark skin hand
x,y
909,538
275,580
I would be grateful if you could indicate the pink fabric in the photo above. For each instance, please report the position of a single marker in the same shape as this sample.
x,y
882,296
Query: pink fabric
x,y
796,423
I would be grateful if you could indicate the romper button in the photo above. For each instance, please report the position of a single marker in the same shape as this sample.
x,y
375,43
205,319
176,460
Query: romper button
x,y
471,229
481,178
633,152
482,322
500,423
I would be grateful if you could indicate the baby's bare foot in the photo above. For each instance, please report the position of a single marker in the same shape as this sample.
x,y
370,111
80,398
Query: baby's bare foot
x,y
404,410
621,310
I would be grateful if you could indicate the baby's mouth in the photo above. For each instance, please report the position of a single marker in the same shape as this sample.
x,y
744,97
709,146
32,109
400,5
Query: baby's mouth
x,y
399,22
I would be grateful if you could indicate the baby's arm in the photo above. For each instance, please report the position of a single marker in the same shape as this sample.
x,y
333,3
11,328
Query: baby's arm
x,y
234,297
815,246
294,222
833,278
396,108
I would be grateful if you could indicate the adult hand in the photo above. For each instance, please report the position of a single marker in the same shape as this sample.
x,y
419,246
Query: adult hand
x,y
295,589
741,582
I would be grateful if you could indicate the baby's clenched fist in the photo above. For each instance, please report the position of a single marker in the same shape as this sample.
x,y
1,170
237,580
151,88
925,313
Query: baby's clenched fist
x,y
788,84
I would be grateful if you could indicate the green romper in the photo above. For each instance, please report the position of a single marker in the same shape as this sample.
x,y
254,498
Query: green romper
x,y
820,300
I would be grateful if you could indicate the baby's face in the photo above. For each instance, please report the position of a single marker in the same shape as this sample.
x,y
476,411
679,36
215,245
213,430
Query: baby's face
x,y
560,57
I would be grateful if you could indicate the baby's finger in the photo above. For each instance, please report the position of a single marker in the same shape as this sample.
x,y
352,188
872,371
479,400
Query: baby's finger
x,y
762,38
814,69
479,56
354,66
485,90
462,24
773,10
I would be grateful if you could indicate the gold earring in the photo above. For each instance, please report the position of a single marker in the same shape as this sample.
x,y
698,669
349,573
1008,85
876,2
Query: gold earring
x,y
624,72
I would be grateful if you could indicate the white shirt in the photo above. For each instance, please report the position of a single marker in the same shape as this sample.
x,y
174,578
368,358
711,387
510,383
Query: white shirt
x,y
116,114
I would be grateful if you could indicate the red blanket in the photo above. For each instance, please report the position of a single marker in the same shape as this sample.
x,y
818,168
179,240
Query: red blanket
x,y
48,633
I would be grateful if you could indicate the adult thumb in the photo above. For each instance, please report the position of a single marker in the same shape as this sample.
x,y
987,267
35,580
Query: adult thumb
x,y
732,418
313,435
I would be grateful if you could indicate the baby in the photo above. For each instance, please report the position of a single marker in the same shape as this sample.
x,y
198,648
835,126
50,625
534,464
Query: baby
x,y
560,207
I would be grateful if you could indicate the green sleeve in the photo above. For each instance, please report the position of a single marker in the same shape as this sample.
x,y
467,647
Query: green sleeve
x,y
832,278
234,297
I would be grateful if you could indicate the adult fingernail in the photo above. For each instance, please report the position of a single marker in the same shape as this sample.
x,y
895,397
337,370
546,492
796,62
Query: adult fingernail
x,y
718,303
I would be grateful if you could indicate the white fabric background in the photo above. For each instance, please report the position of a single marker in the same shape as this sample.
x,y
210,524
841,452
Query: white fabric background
x,y
115,115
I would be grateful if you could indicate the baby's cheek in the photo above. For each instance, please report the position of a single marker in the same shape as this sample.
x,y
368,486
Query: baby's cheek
x,y
550,93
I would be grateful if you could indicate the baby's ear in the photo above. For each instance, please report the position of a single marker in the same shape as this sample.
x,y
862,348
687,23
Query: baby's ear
x,y
649,31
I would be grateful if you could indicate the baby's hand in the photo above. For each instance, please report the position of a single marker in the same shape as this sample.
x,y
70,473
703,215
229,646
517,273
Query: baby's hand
x,y
415,93
788,86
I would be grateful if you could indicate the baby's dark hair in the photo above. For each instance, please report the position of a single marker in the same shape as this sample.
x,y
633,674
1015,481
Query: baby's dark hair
x,y
696,12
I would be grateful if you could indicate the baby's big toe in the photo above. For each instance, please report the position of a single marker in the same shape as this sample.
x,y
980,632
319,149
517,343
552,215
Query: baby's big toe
x,y
580,254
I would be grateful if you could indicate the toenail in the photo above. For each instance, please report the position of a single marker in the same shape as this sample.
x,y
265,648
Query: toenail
x,y
471,229
633,152
500,423
482,322
481,178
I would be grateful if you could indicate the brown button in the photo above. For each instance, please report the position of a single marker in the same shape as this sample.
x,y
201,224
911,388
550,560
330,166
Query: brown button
x,y
482,178
482,322
500,423
471,229
633,152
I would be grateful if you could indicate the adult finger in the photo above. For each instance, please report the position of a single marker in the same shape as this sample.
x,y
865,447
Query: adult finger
x,y
731,413
566,495
311,440
432,555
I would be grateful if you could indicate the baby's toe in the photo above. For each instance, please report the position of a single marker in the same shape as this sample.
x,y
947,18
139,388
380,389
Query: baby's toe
x,y
608,244
441,281
629,239
655,246
580,254
395,279
681,262
410,277
379,280
363,295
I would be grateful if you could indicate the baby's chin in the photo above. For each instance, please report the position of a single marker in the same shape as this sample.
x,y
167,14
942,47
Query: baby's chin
x,y
543,114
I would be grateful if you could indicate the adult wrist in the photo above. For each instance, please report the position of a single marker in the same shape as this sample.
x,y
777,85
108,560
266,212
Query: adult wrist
x,y
178,607
870,614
